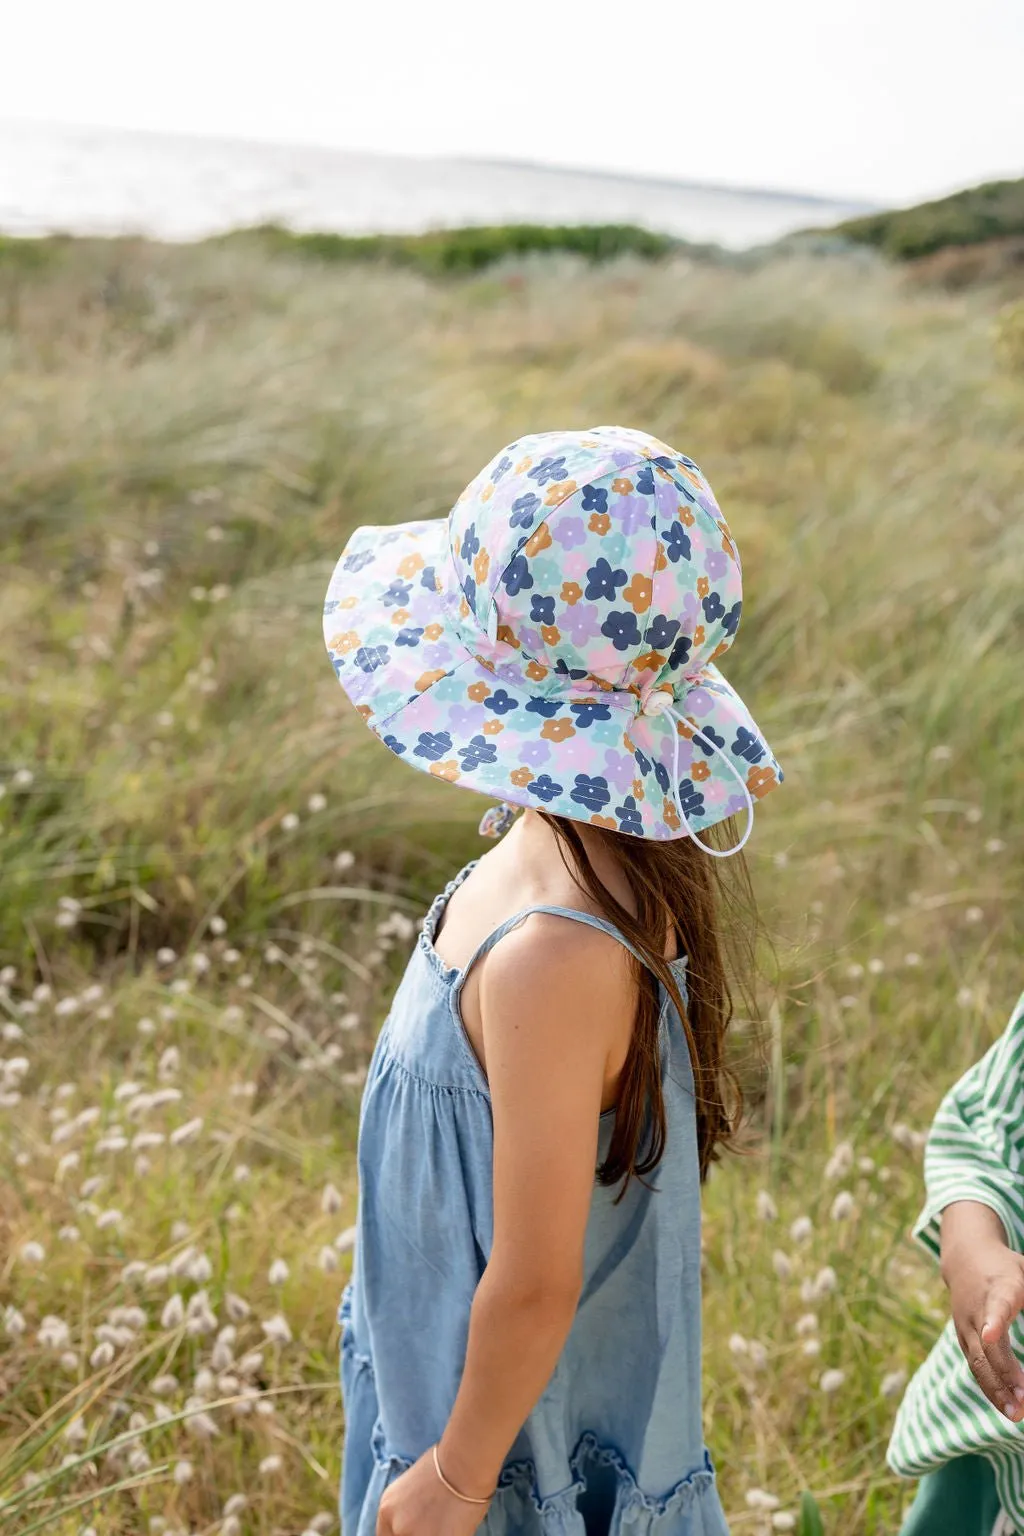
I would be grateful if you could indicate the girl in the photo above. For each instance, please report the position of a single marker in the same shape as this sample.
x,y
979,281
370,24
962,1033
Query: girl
x,y
958,1428
521,1346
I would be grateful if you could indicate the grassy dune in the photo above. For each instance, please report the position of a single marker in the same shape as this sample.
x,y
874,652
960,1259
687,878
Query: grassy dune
x,y
210,873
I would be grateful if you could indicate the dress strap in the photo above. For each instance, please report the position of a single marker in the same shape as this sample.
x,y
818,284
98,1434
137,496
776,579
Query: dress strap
x,y
574,916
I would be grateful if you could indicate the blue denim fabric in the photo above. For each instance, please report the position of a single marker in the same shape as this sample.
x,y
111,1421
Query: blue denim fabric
x,y
615,1446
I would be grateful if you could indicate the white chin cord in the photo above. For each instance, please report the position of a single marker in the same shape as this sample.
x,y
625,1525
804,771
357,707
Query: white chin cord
x,y
660,702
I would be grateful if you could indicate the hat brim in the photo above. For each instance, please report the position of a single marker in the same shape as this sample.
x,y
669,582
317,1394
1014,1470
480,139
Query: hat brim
x,y
403,664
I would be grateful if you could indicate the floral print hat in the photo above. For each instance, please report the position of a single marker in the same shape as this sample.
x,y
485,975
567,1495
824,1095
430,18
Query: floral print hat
x,y
552,642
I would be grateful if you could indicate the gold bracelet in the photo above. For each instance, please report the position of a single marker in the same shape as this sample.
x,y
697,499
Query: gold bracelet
x,y
463,1496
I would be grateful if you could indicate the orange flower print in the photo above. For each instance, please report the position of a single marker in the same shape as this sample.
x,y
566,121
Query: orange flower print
x,y
571,593
660,558
477,692
728,547
550,634
653,661
604,821
558,492
558,730
719,650
492,727
698,637
698,771
400,616
481,565
537,672
639,593
538,540
342,644
487,493
428,679
350,601
599,523
364,711
638,789
685,516
621,486
449,771
507,636
761,781
703,586
523,465
669,813
433,632
463,608
410,565
521,777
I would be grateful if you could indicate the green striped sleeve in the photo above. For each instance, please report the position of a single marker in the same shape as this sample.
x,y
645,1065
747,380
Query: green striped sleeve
x,y
976,1145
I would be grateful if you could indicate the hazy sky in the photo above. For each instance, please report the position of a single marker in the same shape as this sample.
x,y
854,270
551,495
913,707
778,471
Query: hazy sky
x,y
887,99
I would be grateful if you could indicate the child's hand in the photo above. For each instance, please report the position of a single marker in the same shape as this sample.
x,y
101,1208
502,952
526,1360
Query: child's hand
x,y
418,1504
986,1291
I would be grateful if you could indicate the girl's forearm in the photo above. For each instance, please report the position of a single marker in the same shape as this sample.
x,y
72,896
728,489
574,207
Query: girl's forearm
x,y
967,1227
516,1335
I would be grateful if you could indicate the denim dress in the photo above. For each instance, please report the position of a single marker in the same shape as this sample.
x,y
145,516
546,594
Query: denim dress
x,y
614,1446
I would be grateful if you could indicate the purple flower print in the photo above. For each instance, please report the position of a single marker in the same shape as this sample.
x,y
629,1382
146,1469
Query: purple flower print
x,y
630,513
619,770
698,702
465,718
580,623
535,753
716,563
570,532
436,655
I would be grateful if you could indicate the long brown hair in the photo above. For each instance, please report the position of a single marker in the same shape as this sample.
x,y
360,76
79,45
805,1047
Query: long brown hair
x,y
677,888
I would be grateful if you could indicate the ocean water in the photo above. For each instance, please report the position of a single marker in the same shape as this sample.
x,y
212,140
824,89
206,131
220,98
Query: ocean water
x,y
101,181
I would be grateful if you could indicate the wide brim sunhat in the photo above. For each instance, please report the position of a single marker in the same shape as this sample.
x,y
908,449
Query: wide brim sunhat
x,y
553,643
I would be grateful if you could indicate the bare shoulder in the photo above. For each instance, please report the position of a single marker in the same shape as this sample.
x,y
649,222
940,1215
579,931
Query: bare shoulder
x,y
550,960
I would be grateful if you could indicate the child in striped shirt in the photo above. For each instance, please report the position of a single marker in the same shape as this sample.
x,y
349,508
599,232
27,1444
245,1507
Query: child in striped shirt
x,y
960,1428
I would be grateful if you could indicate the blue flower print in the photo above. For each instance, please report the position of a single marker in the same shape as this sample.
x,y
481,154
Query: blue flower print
x,y
359,561
731,621
660,632
397,747
642,762
547,708
590,792
409,636
433,745
604,581
563,669
517,577
502,467
680,653
622,629
585,715
369,657
690,798
542,609
545,788
713,607
470,543
330,606
708,735
677,543
748,746
549,468
661,774
524,510
500,702
469,591
629,817
664,462
645,481
480,750
428,578
397,594
595,499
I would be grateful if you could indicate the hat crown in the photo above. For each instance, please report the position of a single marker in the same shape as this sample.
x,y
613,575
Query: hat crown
x,y
599,556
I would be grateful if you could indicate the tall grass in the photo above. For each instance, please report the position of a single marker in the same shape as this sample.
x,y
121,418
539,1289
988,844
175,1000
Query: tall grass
x,y
210,873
